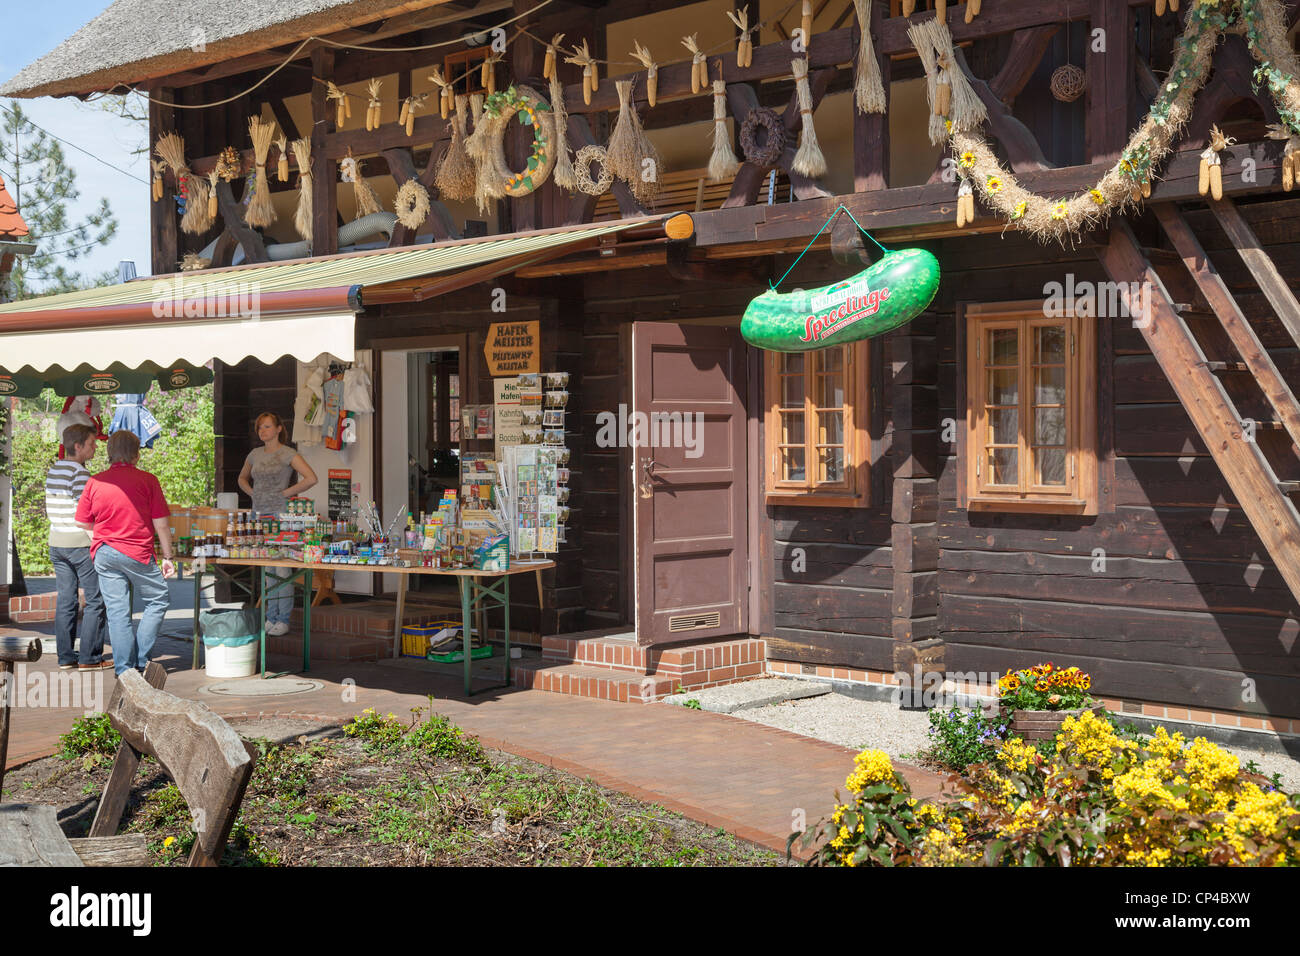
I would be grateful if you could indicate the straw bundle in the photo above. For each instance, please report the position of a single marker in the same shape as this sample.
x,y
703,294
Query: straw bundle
x,y
808,160
342,105
366,198
744,45
548,65
868,90
213,176
302,218
375,106
261,209
699,63
723,164
627,144
642,54
456,173
282,147
563,173
170,148
952,101
487,181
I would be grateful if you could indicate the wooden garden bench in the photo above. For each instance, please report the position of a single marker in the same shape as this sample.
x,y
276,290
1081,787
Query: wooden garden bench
x,y
690,190
209,762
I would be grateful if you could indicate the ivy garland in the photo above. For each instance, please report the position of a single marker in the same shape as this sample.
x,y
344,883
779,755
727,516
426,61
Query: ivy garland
x,y
1123,186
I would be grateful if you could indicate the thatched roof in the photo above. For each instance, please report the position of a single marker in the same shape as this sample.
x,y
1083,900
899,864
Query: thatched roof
x,y
137,40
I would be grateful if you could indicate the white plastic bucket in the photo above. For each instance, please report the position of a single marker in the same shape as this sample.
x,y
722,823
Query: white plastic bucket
x,y
223,661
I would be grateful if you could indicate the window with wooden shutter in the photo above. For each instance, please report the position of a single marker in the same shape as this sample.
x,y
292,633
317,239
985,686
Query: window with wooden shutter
x,y
817,435
1031,425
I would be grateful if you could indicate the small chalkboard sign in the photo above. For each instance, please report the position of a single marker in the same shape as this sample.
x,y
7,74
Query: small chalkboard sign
x,y
340,492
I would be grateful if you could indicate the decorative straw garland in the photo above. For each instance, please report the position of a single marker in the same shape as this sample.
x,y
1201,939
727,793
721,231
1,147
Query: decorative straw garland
x,y
723,164
456,175
808,161
745,44
642,54
868,90
302,218
261,208
582,57
699,63
412,204
582,170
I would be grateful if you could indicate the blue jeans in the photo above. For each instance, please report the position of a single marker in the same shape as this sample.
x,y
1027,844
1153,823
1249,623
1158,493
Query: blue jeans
x,y
117,573
73,569
279,603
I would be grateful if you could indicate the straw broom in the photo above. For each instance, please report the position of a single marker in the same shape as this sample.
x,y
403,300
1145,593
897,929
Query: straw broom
x,y
808,161
868,90
302,218
563,173
261,209
170,148
723,164
642,54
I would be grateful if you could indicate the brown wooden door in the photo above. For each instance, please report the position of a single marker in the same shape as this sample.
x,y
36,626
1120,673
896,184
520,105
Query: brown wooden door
x,y
689,482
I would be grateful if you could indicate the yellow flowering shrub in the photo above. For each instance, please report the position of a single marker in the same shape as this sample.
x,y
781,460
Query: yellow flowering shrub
x,y
1094,798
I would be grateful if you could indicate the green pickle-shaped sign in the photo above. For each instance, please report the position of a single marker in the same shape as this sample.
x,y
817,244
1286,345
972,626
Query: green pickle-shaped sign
x,y
884,296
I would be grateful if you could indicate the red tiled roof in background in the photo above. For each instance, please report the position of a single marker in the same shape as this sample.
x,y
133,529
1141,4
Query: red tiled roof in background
x,y
11,224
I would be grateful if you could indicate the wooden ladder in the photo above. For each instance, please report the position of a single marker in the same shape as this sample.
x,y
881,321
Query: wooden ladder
x,y
1184,290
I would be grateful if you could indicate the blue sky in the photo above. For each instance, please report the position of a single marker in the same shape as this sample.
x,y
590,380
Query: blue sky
x,y
32,29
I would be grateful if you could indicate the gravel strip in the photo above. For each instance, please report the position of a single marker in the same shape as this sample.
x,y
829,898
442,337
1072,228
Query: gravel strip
x,y
859,724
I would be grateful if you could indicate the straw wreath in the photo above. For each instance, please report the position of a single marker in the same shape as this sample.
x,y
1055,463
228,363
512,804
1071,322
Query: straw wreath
x,y
582,170
412,204
774,143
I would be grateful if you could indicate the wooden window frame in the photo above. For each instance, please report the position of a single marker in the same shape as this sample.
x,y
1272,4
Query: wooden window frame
x,y
854,491
1080,495
468,62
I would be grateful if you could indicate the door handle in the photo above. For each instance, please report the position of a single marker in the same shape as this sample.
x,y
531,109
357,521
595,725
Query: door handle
x,y
645,481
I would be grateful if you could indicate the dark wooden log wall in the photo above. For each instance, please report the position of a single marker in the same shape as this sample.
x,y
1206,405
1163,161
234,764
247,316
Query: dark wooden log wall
x,y
1187,609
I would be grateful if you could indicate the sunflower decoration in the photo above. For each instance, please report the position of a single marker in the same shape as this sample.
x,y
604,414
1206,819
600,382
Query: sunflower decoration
x,y
1021,208
1097,197
967,160
1060,211
993,184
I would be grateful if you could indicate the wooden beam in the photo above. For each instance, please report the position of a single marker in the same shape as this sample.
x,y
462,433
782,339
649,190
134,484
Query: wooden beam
x,y
1215,290
1110,75
287,126
1261,266
429,128
1023,152
1217,421
162,214
324,169
232,214
871,130
1027,49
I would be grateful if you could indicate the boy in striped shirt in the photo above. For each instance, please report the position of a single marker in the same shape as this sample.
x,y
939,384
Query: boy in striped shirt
x,y
70,555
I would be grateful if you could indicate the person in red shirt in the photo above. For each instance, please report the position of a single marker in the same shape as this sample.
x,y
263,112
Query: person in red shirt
x,y
123,507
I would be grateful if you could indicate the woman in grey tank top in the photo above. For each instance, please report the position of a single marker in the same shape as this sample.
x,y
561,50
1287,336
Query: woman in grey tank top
x,y
270,478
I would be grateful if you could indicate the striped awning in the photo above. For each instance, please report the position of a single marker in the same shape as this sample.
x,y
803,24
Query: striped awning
x,y
302,308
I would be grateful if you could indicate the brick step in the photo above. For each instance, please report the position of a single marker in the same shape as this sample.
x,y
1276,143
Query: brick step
x,y
601,683
692,664
34,608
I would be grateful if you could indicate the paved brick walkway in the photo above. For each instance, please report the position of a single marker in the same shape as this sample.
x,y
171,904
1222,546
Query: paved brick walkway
x,y
746,778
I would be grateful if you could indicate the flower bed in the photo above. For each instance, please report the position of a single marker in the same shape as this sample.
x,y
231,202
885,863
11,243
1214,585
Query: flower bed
x,y
1094,799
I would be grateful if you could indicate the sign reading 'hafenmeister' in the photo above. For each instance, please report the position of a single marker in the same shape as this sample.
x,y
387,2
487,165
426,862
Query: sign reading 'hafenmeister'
x,y
512,348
